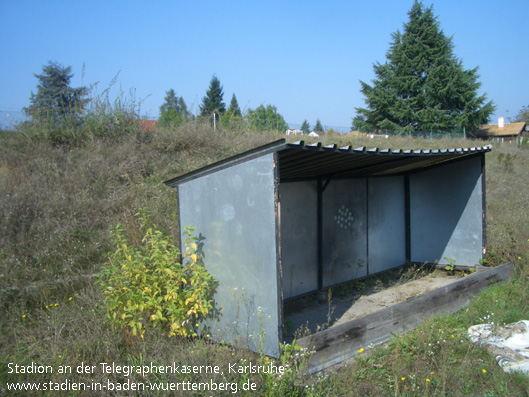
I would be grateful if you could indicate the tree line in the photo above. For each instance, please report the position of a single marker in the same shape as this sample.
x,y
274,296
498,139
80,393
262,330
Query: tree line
x,y
173,111
422,86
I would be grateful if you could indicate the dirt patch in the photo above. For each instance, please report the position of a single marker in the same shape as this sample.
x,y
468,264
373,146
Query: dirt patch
x,y
322,311
367,304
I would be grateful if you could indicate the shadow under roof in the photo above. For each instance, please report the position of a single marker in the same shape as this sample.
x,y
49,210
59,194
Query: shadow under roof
x,y
298,161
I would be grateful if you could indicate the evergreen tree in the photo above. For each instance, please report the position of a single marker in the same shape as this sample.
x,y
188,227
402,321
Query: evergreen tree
x,y
212,102
55,101
173,111
266,119
186,114
318,127
422,85
305,127
232,118
170,110
234,109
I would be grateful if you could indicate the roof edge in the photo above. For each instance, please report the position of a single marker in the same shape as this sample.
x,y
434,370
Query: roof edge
x,y
281,145
238,158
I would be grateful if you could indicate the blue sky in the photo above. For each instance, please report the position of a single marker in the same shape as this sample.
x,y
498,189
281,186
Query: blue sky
x,y
304,57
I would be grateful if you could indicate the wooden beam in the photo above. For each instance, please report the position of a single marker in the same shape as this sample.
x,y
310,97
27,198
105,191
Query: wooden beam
x,y
341,342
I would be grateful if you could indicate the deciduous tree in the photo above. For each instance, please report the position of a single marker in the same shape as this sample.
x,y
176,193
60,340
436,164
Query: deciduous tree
x,y
266,118
523,115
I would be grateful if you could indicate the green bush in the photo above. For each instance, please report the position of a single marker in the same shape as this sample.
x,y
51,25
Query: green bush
x,y
145,285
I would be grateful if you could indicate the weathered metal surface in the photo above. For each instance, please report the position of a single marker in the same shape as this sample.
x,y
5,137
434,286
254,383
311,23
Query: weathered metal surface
x,y
233,209
299,231
344,231
343,341
446,213
386,223
271,147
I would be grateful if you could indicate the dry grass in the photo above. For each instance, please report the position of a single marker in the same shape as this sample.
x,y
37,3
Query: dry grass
x,y
59,201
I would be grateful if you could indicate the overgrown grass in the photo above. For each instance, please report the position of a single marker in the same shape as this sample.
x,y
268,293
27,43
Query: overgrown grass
x,y
58,201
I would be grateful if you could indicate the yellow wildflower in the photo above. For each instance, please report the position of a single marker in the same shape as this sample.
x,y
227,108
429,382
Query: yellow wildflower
x,y
427,380
70,298
23,316
361,350
484,371
403,378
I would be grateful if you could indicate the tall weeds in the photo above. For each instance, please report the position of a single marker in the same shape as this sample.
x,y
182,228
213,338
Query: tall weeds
x,y
60,196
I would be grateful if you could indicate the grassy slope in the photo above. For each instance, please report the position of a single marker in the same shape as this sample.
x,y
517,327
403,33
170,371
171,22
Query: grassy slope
x,y
58,202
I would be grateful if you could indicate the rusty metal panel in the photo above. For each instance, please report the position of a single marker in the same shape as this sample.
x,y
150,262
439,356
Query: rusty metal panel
x,y
386,223
234,210
446,213
299,237
344,231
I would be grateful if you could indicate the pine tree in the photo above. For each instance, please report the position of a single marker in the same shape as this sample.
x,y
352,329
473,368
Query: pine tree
x,y
305,127
422,85
318,127
232,118
170,110
234,109
173,111
212,102
186,114
55,101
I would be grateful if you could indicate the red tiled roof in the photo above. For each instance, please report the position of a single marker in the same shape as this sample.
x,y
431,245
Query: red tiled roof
x,y
147,125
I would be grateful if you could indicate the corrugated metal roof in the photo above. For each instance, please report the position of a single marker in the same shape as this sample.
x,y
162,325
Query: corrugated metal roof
x,y
298,161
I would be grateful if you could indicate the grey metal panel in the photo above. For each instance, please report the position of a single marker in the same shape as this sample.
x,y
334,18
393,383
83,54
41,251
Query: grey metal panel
x,y
386,223
233,209
299,238
446,213
344,231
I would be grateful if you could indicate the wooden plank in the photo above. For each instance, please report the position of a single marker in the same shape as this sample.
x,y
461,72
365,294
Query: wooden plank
x,y
341,342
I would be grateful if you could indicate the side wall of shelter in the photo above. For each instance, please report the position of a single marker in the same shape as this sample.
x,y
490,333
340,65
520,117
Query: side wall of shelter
x,y
234,209
447,213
